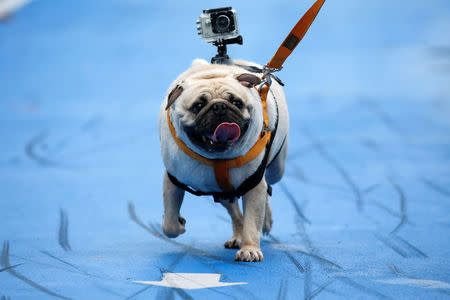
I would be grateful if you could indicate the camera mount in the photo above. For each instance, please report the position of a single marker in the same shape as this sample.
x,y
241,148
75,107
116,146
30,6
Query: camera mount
x,y
222,56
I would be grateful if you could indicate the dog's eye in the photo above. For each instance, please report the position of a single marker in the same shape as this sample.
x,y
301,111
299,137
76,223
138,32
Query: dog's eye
x,y
235,101
238,103
197,107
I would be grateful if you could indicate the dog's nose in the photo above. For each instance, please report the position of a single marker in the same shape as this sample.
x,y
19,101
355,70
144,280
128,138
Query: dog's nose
x,y
219,108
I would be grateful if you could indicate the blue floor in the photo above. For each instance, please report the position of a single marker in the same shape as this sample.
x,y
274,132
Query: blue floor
x,y
364,208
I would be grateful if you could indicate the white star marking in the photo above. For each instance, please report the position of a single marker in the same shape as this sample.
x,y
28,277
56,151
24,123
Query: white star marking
x,y
191,281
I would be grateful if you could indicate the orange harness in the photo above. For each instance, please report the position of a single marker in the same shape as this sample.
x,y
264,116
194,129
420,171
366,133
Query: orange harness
x,y
222,166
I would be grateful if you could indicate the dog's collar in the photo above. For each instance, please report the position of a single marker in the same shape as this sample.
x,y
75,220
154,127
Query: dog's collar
x,y
222,166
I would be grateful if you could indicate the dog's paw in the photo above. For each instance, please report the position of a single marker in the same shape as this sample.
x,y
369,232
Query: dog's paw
x,y
234,242
174,229
250,253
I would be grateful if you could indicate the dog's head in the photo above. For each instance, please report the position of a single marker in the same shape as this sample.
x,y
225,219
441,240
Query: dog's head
x,y
214,112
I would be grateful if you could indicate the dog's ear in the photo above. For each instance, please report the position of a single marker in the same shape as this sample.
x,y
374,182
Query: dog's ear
x,y
248,80
173,95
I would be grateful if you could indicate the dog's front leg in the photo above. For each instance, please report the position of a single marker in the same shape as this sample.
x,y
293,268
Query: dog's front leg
x,y
237,220
254,203
173,223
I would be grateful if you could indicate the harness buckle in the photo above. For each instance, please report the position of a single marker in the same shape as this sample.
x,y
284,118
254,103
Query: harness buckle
x,y
267,76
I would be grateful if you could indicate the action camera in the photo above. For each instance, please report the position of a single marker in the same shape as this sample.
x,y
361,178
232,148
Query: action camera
x,y
220,27
218,24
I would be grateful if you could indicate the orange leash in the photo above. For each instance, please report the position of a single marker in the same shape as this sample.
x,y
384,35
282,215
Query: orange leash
x,y
295,36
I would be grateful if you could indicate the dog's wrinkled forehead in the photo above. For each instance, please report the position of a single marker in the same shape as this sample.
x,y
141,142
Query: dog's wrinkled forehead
x,y
213,84
216,88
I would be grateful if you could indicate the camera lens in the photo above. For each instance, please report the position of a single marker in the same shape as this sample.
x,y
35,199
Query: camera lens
x,y
222,23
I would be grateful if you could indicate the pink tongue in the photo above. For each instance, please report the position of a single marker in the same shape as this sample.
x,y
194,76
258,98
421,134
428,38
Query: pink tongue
x,y
227,132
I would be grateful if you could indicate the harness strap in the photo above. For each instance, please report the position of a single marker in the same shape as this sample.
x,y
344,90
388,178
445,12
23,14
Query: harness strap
x,y
264,90
243,189
222,174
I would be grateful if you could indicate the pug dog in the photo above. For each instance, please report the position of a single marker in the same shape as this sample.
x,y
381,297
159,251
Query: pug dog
x,y
216,111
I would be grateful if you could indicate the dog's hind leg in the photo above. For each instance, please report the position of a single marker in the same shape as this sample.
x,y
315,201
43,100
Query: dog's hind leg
x,y
237,220
273,174
267,224
173,223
